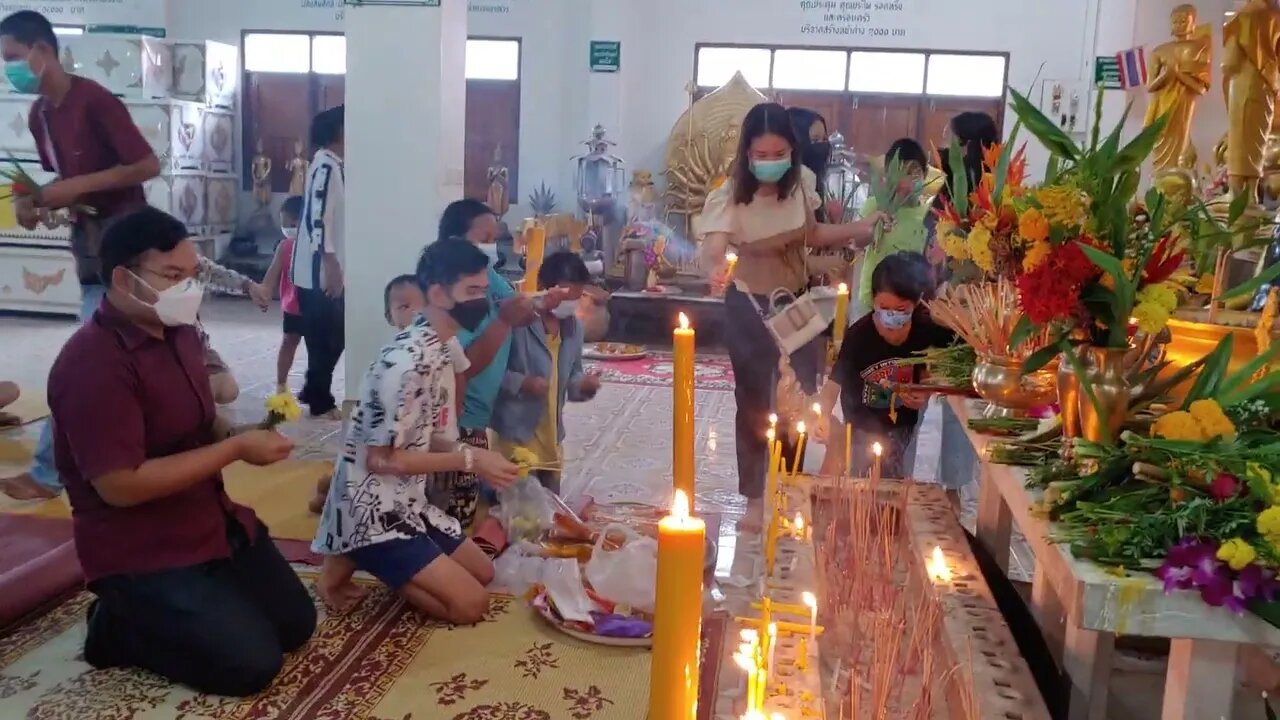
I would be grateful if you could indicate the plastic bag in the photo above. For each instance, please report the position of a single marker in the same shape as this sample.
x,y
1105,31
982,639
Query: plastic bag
x,y
628,575
519,568
563,581
526,509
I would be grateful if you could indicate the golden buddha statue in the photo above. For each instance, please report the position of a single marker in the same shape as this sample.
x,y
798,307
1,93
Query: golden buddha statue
x,y
497,197
298,167
261,170
1251,74
1180,75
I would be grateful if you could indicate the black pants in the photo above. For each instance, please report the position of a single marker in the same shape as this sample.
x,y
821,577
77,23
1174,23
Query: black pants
x,y
324,332
754,355
221,627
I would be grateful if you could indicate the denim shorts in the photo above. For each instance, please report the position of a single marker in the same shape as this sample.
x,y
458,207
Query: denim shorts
x,y
395,562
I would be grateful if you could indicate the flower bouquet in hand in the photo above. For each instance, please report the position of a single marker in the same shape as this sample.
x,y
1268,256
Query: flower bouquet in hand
x,y
281,408
886,191
23,186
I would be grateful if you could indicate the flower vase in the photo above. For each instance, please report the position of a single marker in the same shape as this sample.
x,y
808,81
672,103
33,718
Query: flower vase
x,y
1068,400
1105,369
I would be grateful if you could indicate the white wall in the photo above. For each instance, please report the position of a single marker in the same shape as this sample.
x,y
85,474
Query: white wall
x,y
140,13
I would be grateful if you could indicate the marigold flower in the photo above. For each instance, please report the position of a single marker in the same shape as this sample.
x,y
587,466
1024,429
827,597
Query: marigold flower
x,y
1161,295
1177,425
1151,317
1213,422
1061,205
1237,553
1036,255
979,246
1204,285
1033,226
1269,524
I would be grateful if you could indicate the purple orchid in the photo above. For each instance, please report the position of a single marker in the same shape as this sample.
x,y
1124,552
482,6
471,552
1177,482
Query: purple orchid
x,y
1193,564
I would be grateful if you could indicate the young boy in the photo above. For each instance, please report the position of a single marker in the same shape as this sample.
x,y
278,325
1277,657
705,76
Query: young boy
x,y
543,371
377,516
867,368
276,276
908,232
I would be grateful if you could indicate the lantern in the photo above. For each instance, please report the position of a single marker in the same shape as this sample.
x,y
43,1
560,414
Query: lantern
x,y
600,177
843,188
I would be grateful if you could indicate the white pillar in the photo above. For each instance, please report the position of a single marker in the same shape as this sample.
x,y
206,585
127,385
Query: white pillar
x,y
405,122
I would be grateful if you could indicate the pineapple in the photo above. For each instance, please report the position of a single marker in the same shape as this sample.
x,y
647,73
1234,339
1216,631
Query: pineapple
x,y
542,201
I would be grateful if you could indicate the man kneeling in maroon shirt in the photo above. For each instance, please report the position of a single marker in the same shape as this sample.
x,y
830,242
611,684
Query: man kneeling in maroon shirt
x,y
188,584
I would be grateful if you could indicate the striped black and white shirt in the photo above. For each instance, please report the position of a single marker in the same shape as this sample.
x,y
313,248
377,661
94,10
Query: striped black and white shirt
x,y
320,229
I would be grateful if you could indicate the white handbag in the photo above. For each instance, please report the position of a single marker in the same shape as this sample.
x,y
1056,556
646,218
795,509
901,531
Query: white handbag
x,y
794,321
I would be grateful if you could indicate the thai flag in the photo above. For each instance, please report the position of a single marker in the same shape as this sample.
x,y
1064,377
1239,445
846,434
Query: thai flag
x,y
1133,68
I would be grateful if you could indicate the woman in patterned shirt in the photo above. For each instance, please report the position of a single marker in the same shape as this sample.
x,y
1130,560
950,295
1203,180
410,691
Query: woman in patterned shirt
x,y
379,515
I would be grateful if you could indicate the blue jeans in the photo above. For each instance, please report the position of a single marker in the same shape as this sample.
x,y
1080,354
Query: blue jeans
x,y
42,468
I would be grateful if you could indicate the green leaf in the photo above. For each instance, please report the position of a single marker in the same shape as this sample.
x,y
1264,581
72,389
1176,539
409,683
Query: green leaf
x,y
1261,387
1245,374
1108,263
1236,210
1111,145
1042,128
1021,331
1002,165
1126,187
1269,611
1139,148
1215,365
1040,358
1051,169
959,178
1250,287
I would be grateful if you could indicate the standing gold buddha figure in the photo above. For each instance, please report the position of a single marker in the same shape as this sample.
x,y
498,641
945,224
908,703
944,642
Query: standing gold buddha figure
x,y
1180,75
1251,74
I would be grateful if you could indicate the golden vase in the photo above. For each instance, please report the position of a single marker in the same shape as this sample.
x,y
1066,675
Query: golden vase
x,y
1106,370
1068,399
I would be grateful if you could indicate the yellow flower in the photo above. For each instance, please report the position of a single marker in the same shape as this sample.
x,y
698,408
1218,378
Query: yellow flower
x,y
1036,255
1237,553
524,457
1178,425
284,406
1213,422
946,227
1160,295
1060,205
1033,226
1204,285
1269,524
979,245
1151,317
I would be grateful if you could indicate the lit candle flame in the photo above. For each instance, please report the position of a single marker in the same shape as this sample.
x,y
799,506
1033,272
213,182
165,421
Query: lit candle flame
x,y
749,635
817,409
680,507
744,662
877,449
800,427
809,600
684,321
937,566
799,524
843,289
731,258
773,419
771,434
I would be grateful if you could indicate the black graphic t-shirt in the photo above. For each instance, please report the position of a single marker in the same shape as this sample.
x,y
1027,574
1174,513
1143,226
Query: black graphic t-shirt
x,y
867,368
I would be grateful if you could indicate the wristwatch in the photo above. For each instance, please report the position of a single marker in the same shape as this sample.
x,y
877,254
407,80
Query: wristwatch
x,y
468,457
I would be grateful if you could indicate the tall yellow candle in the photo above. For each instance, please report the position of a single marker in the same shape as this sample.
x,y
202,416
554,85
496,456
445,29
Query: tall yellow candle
x,y
535,249
795,465
683,342
848,449
842,315
677,618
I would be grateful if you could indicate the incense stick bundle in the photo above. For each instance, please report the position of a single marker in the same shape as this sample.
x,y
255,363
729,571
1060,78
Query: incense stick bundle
x,y
985,316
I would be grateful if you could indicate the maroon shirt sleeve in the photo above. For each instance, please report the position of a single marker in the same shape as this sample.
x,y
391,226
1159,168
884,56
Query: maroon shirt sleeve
x,y
118,129
96,407
36,127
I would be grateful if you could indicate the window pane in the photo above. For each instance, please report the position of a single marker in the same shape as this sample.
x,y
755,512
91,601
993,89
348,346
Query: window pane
x,y
968,75
493,60
68,30
809,69
329,54
716,66
886,72
277,53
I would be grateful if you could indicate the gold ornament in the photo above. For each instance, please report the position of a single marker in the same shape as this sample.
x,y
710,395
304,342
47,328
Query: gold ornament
x,y
1180,75
1251,71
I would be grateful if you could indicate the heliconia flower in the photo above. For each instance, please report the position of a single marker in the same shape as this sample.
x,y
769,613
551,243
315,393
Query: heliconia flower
x,y
1164,261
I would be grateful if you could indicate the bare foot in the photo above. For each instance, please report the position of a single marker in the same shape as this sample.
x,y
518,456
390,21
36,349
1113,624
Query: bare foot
x,y
753,521
9,420
335,586
25,487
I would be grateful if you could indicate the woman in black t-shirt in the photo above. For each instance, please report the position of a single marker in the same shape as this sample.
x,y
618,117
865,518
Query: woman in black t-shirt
x,y
868,368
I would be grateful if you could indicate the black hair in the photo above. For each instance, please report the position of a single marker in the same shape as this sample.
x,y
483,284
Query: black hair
x,y
130,236
327,127
563,266
905,274
29,27
907,151
974,132
445,262
802,120
764,119
456,219
397,281
292,207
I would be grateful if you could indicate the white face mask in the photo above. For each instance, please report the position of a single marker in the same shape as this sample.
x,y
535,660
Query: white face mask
x,y
178,305
566,309
490,249
290,233
458,355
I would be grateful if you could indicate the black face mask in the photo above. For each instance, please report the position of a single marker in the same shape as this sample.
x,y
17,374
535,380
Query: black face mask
x,y
470,313
816,156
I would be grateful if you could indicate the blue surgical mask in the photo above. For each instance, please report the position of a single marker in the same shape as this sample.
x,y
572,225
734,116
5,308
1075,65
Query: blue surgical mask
x,y
20,77
894,319
770,171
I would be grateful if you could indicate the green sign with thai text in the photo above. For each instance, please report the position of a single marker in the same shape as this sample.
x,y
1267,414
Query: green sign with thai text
x,y
606,56
1106,72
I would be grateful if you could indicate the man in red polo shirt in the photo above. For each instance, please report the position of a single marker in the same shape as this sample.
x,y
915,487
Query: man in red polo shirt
x,y
86,136
188,584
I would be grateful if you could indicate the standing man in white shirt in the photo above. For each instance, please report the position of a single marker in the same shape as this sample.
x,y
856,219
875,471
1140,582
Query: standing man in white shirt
x,y
316,269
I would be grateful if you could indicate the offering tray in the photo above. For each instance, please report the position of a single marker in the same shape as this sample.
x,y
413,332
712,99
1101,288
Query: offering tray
x,y
615,351
577,631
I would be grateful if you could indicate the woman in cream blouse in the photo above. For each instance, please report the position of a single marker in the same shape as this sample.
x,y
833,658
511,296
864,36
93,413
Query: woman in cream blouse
x,y
765,212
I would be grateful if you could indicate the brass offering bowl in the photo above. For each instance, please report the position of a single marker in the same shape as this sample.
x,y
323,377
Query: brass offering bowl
x,y
1000,381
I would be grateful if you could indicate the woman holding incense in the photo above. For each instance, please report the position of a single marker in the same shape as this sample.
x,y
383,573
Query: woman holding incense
x,y
867,375
765,212
905,165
